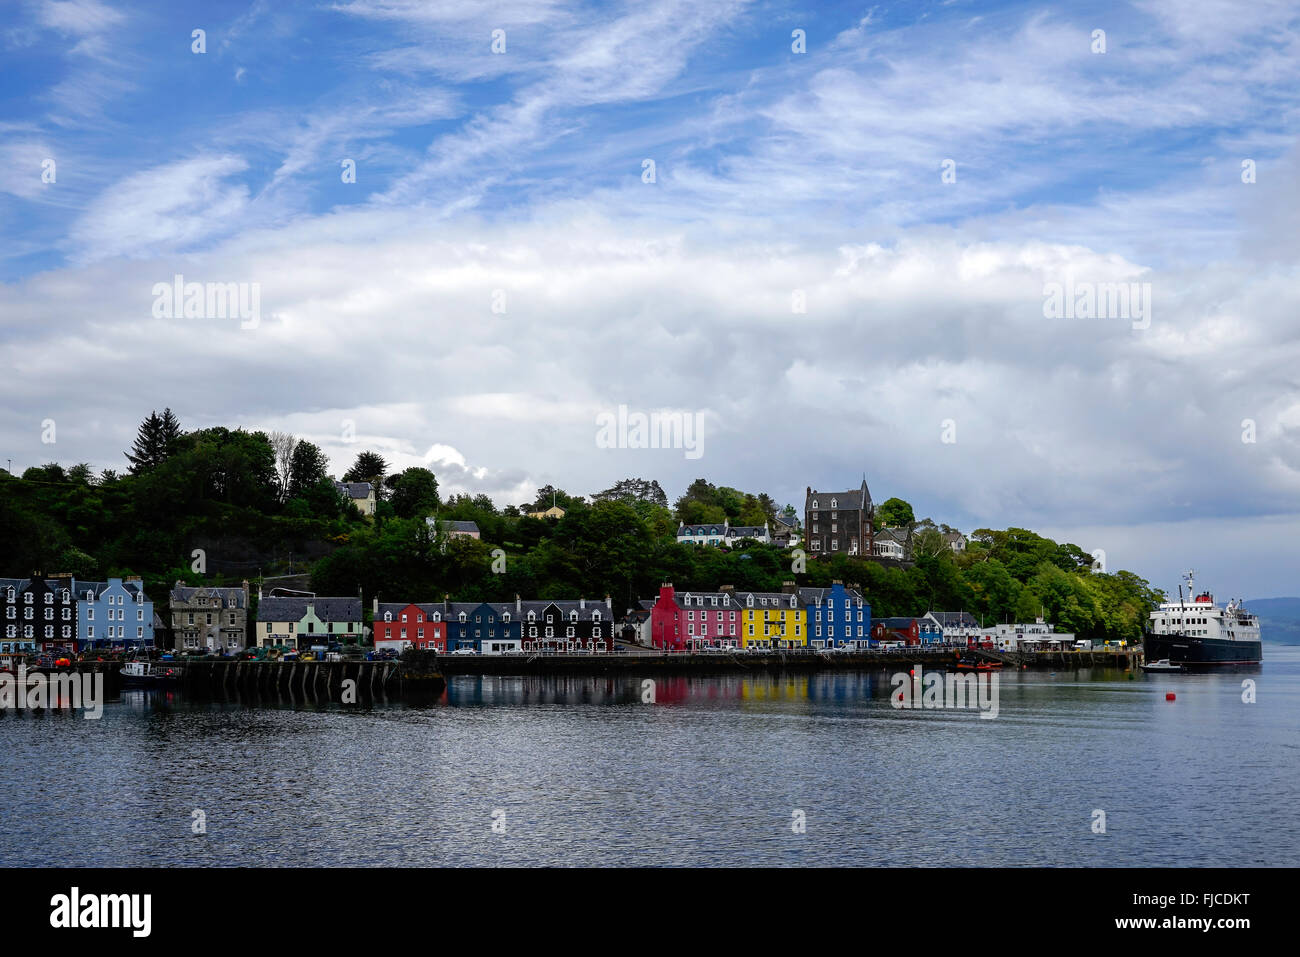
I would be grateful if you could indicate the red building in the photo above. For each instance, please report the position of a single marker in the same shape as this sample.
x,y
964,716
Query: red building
x,y
906,630
667,629
400,626
695,620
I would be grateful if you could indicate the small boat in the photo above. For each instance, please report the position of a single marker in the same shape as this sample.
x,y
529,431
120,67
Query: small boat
x,y
979,666
142,673
1162,666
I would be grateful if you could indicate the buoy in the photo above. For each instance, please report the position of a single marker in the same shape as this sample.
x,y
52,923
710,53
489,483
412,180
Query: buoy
x,y
1169,696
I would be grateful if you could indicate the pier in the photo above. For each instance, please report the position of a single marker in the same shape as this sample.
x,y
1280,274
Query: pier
x,y
650,661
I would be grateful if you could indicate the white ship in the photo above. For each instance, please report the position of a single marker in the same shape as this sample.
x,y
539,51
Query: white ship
x,y
1197,633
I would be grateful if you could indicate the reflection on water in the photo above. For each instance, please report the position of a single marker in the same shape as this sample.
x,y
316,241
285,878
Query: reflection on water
x,y
586,771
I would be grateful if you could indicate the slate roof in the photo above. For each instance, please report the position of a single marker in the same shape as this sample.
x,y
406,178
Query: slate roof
x,y
857,498
293,609
701,530
454,526
747,531
397,607
81,587
896,623
704,599
955,619
355,489
230,597
816,596
784,600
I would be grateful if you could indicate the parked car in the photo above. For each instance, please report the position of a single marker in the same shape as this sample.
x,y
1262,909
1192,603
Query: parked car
x,y
464,651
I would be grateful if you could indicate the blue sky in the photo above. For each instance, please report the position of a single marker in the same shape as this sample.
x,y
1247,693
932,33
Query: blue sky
x,y
776,171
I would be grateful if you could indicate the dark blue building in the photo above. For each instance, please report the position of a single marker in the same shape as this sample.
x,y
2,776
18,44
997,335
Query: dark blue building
x,y
836,617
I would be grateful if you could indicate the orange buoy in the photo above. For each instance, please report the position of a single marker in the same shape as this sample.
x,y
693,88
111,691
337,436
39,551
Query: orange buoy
x,y
1169,696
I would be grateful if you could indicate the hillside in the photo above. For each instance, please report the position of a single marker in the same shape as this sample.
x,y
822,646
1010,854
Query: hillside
x,y
1279,619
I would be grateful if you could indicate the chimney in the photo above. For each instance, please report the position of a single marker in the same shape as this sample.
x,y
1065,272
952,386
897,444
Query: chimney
x,y
374,606
837,581
788,588
519,605
582,604
729,589
609,603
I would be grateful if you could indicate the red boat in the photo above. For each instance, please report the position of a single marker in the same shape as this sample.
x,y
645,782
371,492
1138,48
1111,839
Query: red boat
x,y
979,666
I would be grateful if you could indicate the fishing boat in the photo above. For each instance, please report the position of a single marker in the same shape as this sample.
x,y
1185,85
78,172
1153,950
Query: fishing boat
x,y
1163,665
143,673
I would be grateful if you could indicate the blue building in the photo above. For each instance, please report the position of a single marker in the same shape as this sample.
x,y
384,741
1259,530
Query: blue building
x,y
113,614
483,627
836,617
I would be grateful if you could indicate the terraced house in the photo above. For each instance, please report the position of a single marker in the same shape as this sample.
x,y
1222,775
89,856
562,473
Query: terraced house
x,y
582,626
399,626
482,627
692,621
772,619
40,614
210,618
299,623
114,614
836,617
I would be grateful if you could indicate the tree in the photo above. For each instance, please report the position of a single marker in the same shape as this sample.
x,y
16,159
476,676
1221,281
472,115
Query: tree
x,y
369,467
81,474
550,495
415,494
633,490
894,513
307,466
283,444
928,543
154,441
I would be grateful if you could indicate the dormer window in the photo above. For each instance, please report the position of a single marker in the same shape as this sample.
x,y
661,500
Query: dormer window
x,y
814,504
834,504
388,616
462,618
749,600
505,618
532,617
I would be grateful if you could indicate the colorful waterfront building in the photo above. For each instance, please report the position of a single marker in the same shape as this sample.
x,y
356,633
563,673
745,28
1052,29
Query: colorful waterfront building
x,y
836,617
114,614
480,626
399,626
911,631
773,619
39,614
299,622
692,621
583,626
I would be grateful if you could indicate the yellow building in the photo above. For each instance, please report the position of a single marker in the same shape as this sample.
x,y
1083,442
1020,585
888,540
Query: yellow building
x,y
772,620
553,512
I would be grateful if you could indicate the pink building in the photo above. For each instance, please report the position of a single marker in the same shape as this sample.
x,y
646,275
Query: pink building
x,y
694,620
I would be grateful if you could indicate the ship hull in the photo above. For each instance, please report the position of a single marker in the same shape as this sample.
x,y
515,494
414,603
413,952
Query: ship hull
x,y
1202,654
